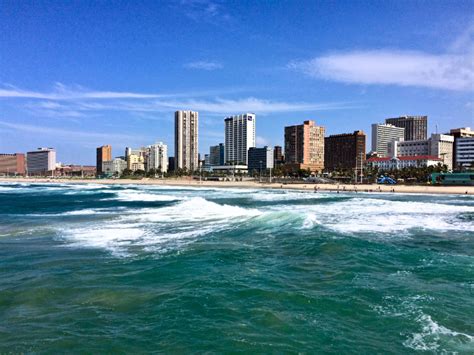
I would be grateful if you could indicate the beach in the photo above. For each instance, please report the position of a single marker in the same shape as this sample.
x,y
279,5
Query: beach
x,y
312,187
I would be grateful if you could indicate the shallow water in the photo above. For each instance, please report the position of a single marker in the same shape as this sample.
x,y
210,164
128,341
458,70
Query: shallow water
x,y
92,268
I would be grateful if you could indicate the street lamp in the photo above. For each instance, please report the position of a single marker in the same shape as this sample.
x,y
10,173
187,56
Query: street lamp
x,y
260,171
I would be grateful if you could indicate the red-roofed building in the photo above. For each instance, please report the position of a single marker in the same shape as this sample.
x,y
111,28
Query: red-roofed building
x,y
417,161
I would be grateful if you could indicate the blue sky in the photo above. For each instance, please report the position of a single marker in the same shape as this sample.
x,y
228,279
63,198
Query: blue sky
x,y
78,74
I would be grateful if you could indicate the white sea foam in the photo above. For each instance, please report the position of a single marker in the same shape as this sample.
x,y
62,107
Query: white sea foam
x,y
136,195
196,209
435,337
377,215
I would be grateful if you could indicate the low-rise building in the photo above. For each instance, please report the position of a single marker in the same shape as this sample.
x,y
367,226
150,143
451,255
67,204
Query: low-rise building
x,y
396,163
438,145
71,170
260,159
114,167
217,155
12,164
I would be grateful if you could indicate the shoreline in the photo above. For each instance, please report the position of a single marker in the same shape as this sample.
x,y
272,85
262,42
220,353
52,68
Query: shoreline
x,y
428,189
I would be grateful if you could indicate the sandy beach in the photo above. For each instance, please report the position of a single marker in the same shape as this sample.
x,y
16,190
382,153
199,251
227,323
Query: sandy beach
x,y
428,189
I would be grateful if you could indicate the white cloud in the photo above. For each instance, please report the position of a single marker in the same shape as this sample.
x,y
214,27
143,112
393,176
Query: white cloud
x,y
204,65
389,67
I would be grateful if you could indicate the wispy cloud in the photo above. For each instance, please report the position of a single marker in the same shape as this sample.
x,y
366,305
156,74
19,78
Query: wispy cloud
x,y
75,103
452,70
261,141
204,10
204,65
60,132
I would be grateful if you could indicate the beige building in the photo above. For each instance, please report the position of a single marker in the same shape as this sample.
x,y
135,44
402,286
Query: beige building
x,y
135,162
186,140
304,146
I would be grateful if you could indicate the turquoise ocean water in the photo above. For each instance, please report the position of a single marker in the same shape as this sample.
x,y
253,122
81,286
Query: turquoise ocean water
x,y
107,269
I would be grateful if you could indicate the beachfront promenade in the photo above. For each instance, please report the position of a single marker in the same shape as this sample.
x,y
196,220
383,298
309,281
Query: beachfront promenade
x,y
311,187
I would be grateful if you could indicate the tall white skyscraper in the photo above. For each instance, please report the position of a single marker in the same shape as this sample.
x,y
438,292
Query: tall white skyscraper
x,y
239,137
186,140
382,134
157,158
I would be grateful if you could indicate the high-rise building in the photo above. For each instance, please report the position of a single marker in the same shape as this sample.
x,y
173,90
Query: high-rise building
x,y
260,159
438,146
304,146
41,161
104,153
382,134
217,155
157,157
278,155
416,127
12,164
344,151
186,146
463,158
239,137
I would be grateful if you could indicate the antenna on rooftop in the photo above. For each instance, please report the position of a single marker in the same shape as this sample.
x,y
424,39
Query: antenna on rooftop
x,y
436,128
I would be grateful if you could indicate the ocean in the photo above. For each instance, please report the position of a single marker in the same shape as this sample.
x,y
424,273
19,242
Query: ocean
x,y
133,269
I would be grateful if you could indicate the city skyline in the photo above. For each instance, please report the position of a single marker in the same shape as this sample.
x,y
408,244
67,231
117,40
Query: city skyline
x,y
119,83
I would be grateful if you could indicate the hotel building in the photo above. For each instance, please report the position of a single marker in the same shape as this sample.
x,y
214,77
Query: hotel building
x,y
304,146
186,140
239,137
382,134
344,151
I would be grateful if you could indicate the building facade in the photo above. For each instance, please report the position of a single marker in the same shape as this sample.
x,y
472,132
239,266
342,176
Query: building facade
x,y
186,147
157,157
41,161
304,146
217,155
438,145
394,163
458,133
382,134
239,137
12,164
464,156
104,153
260,159
278,158
114,167
416,127
344,151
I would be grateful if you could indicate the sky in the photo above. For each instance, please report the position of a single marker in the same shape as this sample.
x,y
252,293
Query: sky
x,y
75,75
